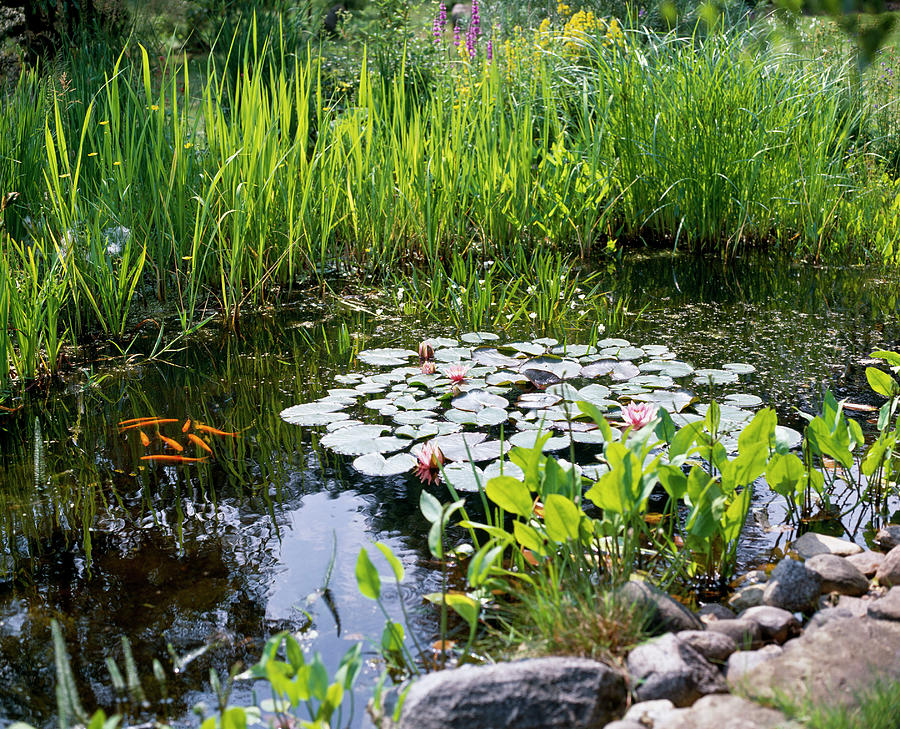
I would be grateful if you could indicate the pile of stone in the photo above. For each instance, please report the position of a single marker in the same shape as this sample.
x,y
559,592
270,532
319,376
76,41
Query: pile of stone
x,y
821,627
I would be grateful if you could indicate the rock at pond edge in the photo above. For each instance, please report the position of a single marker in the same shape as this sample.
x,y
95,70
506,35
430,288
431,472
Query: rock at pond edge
x,y
536,693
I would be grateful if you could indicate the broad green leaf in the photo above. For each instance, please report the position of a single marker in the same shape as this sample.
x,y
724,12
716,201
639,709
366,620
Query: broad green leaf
x,y
735,515
784,472
673,480
881,382
464,606
392,637
561,518
367,576
396,565
430,507
684,439
510,494
759,430
529,537
892,358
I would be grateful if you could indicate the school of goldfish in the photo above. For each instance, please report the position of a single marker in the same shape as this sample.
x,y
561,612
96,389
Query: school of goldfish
x,y
141,425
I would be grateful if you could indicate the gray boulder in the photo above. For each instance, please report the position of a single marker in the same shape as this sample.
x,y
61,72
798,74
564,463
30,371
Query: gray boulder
x,y
740,663
792,587
887,607
810,544
538,693
776,625
745,633
866,562
725,711
649,714
831,665
888,573
747,597
713,646
888,537
715,611
667,668
663,614
838,575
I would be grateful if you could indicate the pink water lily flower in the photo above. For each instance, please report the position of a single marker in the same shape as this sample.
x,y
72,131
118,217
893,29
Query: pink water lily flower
x,y
427,367
638,414
457,373
428,463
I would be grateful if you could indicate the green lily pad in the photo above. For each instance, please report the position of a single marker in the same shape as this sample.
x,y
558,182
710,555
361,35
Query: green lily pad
x,y
528,438
428,429
739,368
464,477
441,342
413,417
490,357
349,378
503,468
547,341
475,400
361,440
714,376
537,400
613,342
479,337
313,413
574,350
375,464
530,348
386,357
787,437
453,354
629,353
504,377
743,400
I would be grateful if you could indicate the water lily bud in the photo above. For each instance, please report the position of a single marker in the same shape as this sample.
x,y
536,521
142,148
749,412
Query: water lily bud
x,y
426,352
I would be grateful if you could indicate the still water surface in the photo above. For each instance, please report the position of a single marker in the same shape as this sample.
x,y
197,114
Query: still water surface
x,y
226,553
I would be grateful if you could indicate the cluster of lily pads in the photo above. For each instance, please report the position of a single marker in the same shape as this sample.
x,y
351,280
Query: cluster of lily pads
x,y
459,404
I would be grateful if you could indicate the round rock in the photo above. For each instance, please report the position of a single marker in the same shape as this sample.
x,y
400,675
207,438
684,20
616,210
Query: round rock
x,y
888,537
838,575
888,573
812,543
866,562
776,624
714,646
792,587
887,607
745,633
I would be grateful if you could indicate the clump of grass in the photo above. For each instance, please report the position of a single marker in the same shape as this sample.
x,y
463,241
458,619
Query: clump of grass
x,y
876,707
582,620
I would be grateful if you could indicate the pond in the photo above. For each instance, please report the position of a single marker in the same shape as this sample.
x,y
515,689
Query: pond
x,y
214,557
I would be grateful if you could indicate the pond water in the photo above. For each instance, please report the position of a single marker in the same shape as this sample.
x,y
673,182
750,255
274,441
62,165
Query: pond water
x,y
224,553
